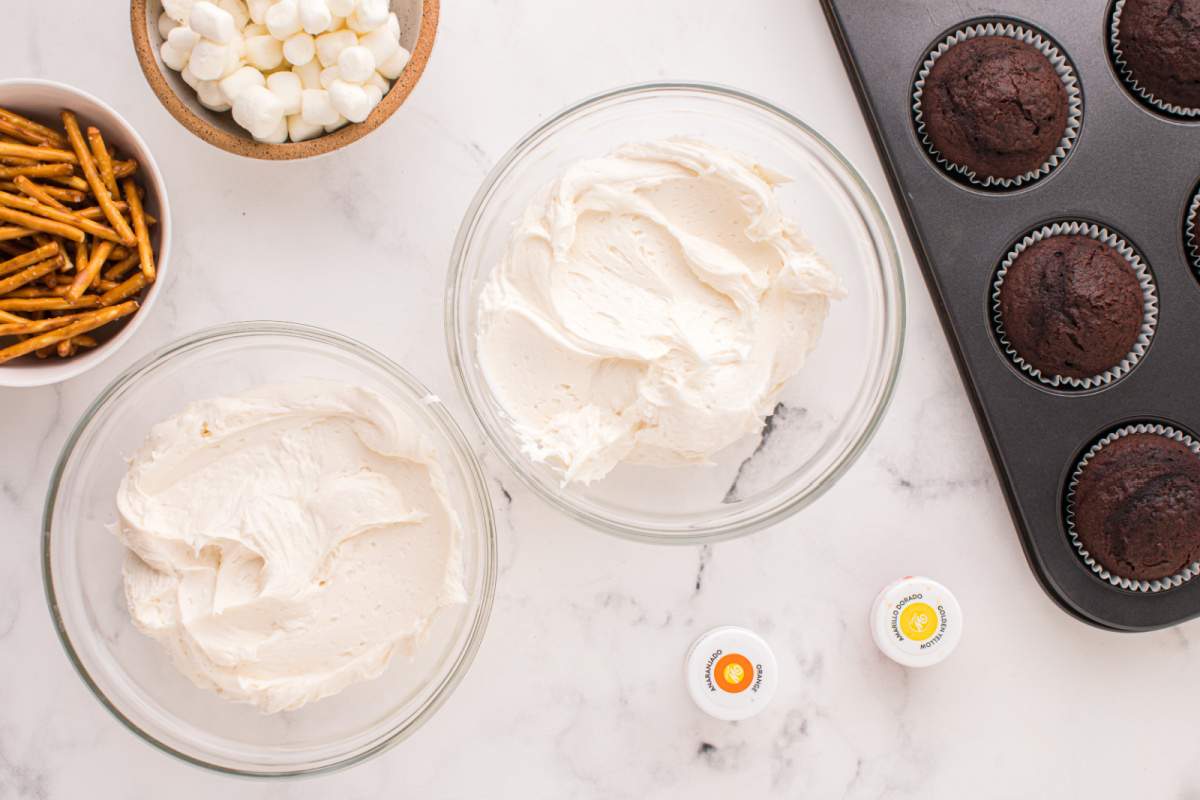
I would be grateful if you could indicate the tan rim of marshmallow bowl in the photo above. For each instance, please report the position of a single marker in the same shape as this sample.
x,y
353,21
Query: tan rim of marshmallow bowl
x,y
219,129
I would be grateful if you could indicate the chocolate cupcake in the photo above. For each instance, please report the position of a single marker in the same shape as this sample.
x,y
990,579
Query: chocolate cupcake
x,y
997,104
1156,46
1134,508
1074,305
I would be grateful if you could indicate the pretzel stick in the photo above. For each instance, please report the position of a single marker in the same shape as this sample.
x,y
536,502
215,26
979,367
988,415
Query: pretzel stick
x,y
103,198
145,251
40,224
6,318
37,171
84,325
84,277
38,155
32,257
72,182
22,134
83,340
13,232
65,217
103,161
94,212
49,134
39,194
123,169
119,270
30,274
48,303
57,192
81,257
125,290
119,253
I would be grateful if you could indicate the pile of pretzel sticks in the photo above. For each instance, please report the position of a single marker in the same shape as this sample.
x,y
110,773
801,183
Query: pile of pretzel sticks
x,y
75,251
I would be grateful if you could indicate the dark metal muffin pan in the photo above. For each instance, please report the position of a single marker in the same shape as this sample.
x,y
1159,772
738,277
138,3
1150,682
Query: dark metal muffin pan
x,y
1131,170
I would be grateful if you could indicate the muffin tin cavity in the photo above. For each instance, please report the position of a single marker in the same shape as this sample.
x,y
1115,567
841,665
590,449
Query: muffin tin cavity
x,y
1155,49
997,105
1132,507
1083,303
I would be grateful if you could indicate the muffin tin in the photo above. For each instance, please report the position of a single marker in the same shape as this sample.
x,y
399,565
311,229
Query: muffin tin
x,y
1129,171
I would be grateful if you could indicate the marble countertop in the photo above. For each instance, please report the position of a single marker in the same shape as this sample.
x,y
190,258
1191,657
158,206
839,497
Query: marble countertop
x,y
1033,703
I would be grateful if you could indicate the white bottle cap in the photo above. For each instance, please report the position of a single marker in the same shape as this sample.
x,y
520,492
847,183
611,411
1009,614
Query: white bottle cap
x,y
916,621
731,673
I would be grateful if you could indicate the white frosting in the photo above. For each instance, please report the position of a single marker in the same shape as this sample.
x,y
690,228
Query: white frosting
x,y
286,542
649,309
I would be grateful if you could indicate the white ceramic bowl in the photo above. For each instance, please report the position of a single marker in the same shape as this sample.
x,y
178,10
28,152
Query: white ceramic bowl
x,y
42,101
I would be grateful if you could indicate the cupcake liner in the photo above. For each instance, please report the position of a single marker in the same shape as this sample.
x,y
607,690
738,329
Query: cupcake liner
x,y
1127,77
1190,232
1149,305
1061,65
1129,584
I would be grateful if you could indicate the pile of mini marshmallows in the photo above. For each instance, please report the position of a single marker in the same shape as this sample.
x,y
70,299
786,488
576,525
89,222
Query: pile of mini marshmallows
x,y
289,69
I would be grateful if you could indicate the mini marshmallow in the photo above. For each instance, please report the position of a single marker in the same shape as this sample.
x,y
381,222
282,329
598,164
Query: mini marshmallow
x,y
283,19
342,8
330,45
309,74
374,94
183,38
166,24
299,130
300,48
381,43
277,136
178,10
236,9
392,68
211,22
208,60
245,77
189,77
379,82
258,10
350,100
287,87
356,64
316,108
259,111
314,16
368,16
340,122
329,75
233,57
173,57
393,25
264,52
211,97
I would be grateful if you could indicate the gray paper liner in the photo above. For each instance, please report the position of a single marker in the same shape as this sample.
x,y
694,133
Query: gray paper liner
x,y
1149,305
1190,231
1061,65
1130,584
1128,78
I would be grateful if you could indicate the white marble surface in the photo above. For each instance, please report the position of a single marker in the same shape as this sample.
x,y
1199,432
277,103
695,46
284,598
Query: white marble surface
x,y
1033,703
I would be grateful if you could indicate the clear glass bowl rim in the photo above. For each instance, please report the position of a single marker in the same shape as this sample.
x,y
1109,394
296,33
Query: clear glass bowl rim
x,y
893,294
475,478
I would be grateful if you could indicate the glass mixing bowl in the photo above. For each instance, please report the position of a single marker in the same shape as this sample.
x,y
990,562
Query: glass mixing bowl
x,y
131,674
826,414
